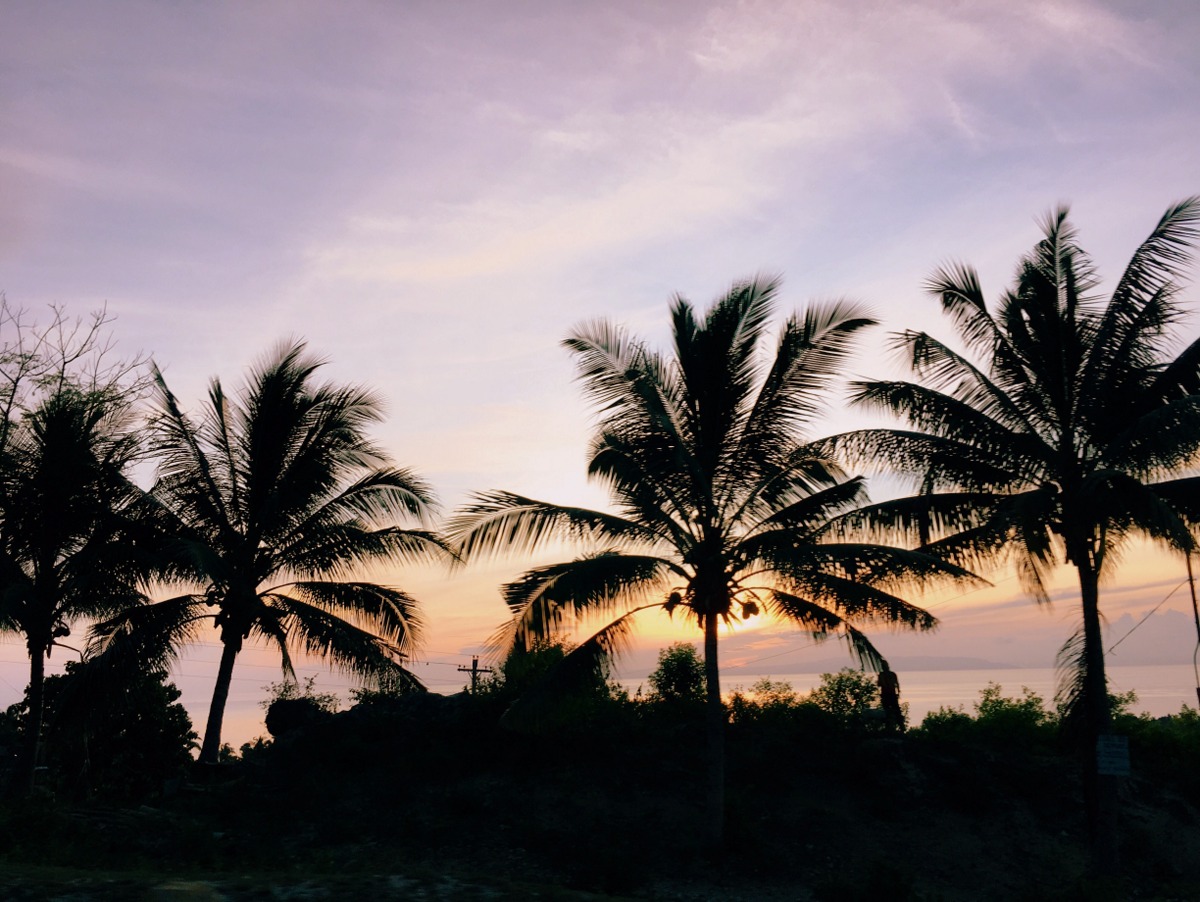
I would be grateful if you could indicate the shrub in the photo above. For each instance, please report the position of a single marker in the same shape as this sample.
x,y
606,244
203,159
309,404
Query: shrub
x,y
998,720
679,676
848,695
119,743
292,706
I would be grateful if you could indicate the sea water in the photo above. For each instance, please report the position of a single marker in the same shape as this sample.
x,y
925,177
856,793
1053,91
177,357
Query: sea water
x,y
1161,689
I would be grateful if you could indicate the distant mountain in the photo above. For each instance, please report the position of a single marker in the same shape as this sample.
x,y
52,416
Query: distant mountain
x,y
1167,637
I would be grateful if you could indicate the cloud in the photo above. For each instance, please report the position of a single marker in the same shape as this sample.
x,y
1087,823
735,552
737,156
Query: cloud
x,y
779,91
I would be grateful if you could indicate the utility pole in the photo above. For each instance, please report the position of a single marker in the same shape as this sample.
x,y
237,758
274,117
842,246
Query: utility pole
x,y
475,670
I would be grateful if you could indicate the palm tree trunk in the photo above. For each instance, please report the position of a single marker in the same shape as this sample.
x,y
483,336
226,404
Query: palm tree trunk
x,y
33,726
210,751
715,730
1100,790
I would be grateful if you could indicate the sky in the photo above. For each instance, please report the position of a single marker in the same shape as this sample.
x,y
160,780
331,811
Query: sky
x,y
434,195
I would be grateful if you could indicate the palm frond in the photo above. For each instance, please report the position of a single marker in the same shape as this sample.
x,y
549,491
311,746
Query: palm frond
x,y
1140,308
812,512
582,668
913,520
811,351
821,623
858,601
1123,503
929,462
944,370
385,611
268,627
323,634
804,472
646,483
151,635
1070,695
1178,378
934,413
339,550
497,521
548,599
1164,439
1183,496
185,478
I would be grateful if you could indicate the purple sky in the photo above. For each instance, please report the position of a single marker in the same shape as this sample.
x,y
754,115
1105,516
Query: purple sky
x,y
434,194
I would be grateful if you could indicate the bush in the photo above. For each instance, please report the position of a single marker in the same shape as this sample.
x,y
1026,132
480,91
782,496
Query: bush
x,y
679,676
119,743
292,706
1023,714
766,700
386,689
998,720
849,695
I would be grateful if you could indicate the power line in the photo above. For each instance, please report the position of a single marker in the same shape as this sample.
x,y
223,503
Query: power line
x,y
475,670
1147,617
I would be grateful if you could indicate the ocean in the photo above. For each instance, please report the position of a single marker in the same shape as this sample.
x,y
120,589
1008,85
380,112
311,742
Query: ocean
x,y
1161,689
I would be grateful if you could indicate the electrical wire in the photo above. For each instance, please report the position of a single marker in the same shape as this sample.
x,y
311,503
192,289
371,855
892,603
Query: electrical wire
x,y
1150,614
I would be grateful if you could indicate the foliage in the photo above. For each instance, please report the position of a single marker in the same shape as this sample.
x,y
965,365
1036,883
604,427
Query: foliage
x,y
1017,459
113,743
848,695
774,692
66,548
1166,748
999,720
272,499
1027,711
1024,721
723,510
71,545
291,690
679,676
384,688
543,688
1013,453
775,702
39,360
291,705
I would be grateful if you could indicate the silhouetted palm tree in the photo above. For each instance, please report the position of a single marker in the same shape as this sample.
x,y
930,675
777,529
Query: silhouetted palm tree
x,y
1046,441
66,549
274,501
721,508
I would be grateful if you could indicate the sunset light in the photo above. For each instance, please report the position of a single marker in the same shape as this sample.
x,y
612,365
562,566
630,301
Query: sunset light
x,y
508,225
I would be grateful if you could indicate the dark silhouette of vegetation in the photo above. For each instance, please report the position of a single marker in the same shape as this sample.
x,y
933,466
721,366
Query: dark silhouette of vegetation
x,y
723,510
848,695
272,501
1052,440
679,676
819,805
125,745
66,549
291,705
1074,432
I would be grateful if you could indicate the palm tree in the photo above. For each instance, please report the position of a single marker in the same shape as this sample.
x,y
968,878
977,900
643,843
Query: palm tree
x,y
274,500
67,550
1055,443
722,510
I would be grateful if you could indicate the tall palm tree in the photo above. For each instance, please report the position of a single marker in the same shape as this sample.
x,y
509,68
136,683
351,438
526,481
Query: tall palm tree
x,y
1051,438
721,507
273,501
67,550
